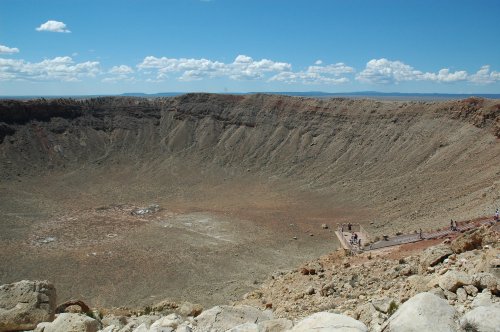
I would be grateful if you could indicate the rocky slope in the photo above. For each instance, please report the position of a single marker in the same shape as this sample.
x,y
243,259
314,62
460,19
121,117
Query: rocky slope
x,y
397,157
451,286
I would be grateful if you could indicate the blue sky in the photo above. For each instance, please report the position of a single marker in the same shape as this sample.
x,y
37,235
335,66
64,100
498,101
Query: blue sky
x,y
107,46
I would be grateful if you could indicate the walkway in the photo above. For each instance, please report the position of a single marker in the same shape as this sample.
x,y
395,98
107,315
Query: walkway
x,y
405,238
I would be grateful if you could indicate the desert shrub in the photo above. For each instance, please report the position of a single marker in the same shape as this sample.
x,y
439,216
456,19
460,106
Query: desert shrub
x,y
392,308
470,327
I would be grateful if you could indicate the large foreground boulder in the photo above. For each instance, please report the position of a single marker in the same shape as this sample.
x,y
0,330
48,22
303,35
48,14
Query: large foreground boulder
x,y
24,304
222,318
482,319
423,312
328,322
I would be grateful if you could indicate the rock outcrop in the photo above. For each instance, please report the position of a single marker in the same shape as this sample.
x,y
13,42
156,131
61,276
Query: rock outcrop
x,y
24,304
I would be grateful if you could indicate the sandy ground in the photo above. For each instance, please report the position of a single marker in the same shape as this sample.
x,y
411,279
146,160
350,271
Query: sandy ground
x,y
209,244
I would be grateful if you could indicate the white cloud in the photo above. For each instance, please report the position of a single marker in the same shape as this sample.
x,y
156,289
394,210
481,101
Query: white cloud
x,y
120,73
484,76
383,71
122,69
8,50
58,69
328,74
445,76
318,62
53,26
386,71
242,68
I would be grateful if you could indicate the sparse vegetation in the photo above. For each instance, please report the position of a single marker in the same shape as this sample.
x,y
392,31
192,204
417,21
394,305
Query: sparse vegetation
x,y
392,308
470,327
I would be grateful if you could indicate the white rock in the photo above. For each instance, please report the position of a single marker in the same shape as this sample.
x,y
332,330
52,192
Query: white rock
x,y
452,280
482,299
144,328
461,295
434,255
485,280
246,327
382,304
471,290
326,322
423,312
171,321
66,322
135,322
221,318
183,328
483,319
275,325
117,321
110,328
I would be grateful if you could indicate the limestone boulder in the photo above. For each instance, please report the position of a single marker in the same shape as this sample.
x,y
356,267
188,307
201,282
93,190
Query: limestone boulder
x,y
67,322
382,304
434,255
222,318
485,280
183,328
468,241
482,319
366,313
452,280
482,299
134,323
423,312
246,327
25,304
369,316
190,309
329,322
115,321
275,325
171,321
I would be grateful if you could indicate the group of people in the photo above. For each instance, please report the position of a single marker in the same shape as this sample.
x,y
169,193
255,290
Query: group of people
x,y
355,240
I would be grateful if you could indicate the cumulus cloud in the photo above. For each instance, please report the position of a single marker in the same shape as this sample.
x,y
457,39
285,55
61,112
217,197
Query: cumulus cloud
x,y
317,74
58,69
53,26
242,68
444,75
8,50
485,76
119,73
122,69
383,71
